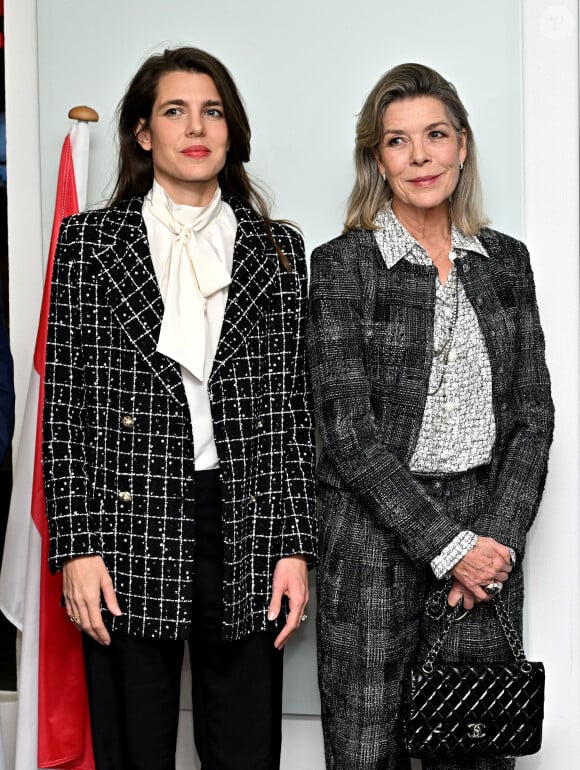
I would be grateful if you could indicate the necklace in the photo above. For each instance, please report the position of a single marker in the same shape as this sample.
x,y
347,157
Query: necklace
x,y
444,252
441,354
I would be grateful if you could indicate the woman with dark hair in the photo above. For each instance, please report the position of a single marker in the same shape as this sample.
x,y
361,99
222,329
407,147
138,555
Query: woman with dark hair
x,y
178,447
433,402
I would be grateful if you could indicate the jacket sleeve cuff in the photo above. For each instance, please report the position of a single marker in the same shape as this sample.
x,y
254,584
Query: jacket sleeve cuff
x,y
452,554
70,546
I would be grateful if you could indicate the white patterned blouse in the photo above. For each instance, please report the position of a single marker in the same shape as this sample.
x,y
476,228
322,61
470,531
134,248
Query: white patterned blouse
x,y
458,428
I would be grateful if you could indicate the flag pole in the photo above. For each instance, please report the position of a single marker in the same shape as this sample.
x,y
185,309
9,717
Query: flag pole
x,y
64,734
80,149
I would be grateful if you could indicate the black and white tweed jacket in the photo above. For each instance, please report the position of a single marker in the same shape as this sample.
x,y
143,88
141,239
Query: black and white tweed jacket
x,y
371,346
118,453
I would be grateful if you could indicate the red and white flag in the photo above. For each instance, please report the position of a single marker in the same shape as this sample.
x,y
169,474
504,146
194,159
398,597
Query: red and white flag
x,y
52,697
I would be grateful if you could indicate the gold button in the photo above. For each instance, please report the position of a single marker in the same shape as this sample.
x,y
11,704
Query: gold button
x,y
127,421
125,496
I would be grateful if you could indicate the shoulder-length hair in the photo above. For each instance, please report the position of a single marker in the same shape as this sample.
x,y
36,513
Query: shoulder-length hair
x,y
135,165
370,193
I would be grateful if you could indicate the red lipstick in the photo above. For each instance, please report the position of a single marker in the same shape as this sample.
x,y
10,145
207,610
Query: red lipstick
x,y
196,151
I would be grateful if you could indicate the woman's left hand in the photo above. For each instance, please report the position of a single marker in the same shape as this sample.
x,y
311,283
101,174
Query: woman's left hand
x,y
291,580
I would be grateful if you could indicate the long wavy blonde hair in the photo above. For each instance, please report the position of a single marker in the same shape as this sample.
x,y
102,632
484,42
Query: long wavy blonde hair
x,y
370,193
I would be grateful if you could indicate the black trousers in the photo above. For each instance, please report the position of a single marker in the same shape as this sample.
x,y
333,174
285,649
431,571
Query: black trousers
x,y
236,686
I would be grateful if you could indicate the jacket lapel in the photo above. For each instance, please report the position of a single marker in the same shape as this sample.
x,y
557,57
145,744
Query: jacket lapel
x,y
255,266
133,292
134,297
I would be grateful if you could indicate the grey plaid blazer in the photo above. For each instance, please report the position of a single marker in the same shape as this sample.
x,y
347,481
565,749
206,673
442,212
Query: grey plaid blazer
x,y
371,344
118,453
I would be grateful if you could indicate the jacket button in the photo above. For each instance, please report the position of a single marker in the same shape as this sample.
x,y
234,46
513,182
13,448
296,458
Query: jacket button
x,y
127,421
125,496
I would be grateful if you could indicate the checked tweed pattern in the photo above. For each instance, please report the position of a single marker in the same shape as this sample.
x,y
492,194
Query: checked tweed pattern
x,y
118,453
370,344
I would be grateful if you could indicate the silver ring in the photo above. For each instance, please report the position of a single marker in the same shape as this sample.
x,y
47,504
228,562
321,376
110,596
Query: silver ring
x,y
492,589
303,618
74,619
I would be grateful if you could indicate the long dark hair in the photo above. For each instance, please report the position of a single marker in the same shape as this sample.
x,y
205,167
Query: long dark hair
x,y
135,166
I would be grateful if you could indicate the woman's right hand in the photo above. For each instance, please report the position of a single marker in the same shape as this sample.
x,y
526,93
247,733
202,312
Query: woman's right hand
x,y
487,562
84,579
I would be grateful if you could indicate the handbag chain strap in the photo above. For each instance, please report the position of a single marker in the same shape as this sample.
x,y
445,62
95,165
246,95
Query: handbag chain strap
x,y
512,636
427,665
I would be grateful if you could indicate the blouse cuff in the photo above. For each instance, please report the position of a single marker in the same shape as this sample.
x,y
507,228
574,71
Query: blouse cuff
x,y
453,553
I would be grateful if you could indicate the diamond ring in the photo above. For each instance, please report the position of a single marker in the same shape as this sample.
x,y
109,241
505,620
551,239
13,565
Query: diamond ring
x,y
492,589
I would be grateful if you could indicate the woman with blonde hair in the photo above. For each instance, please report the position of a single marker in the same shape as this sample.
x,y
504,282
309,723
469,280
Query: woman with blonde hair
x,y
433,403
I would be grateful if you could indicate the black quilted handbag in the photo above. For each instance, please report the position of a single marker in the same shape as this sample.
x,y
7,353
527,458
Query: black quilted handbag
x,y
474,710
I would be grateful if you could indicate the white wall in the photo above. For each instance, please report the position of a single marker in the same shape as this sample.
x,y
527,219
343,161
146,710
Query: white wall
x,y
304,70
550,90
24,203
